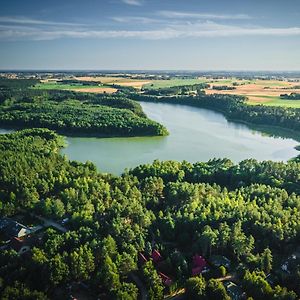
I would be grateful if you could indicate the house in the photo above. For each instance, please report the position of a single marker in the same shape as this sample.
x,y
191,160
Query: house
x,y
156,256
233,290
166,280
199,265
12,229
219,260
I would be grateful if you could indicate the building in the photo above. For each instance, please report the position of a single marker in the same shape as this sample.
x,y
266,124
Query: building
x,y
219,260
199,265
16,236
233,290
12,229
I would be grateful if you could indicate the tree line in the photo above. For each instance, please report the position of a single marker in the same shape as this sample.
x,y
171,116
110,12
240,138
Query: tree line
x,y
234,107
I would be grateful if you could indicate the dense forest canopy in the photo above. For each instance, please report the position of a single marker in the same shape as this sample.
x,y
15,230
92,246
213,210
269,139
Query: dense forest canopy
x,y
216,209
74,113
177,90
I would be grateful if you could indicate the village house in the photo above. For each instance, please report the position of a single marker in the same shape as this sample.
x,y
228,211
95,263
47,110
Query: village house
x,y
16,236
12,229
199,265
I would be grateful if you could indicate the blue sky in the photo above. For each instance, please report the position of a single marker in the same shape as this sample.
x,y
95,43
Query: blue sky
x,y
150,34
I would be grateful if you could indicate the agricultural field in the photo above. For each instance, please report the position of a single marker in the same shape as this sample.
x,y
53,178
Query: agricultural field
x,y
266,92
258,91
122,81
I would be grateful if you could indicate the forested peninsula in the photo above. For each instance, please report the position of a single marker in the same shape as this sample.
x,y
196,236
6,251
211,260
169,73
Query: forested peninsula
x,y
71,113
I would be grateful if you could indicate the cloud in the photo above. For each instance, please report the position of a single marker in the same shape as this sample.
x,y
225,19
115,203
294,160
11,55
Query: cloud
x,y
132,2
206,29
189,15
28,21
143,20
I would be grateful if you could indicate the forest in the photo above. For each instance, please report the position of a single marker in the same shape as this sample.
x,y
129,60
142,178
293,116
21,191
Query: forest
x,y
177,90
248,214
73,113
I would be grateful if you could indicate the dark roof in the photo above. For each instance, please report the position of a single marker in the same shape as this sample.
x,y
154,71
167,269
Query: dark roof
x,y
219,260
4,222
10,227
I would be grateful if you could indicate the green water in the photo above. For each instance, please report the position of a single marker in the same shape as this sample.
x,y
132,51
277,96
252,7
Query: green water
x,y
195,135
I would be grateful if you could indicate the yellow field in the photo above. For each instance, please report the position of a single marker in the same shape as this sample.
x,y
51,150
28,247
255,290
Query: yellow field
x,y
265,92
102,90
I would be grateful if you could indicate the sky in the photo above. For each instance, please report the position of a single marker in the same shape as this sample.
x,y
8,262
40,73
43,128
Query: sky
x,y
198,35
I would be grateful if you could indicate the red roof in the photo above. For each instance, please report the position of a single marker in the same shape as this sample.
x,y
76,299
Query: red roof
x,y
156,256
165,279
199,263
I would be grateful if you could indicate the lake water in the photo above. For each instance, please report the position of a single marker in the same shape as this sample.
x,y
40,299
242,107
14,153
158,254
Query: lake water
x,y
195,135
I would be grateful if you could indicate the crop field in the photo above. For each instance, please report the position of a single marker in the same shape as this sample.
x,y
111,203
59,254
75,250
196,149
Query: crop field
x,y
258,91
266,92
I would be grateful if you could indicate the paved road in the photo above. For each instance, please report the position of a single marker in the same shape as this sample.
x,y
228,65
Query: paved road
x,y
49,223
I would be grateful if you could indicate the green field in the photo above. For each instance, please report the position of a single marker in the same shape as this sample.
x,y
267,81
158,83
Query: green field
x,y
276,101
59,86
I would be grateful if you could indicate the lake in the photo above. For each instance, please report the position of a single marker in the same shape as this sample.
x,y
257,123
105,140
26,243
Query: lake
x,y
195,135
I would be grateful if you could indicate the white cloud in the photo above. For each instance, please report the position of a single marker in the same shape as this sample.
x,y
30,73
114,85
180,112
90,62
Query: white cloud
x,y
143,20
198,29
189,15
132,2
28,21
